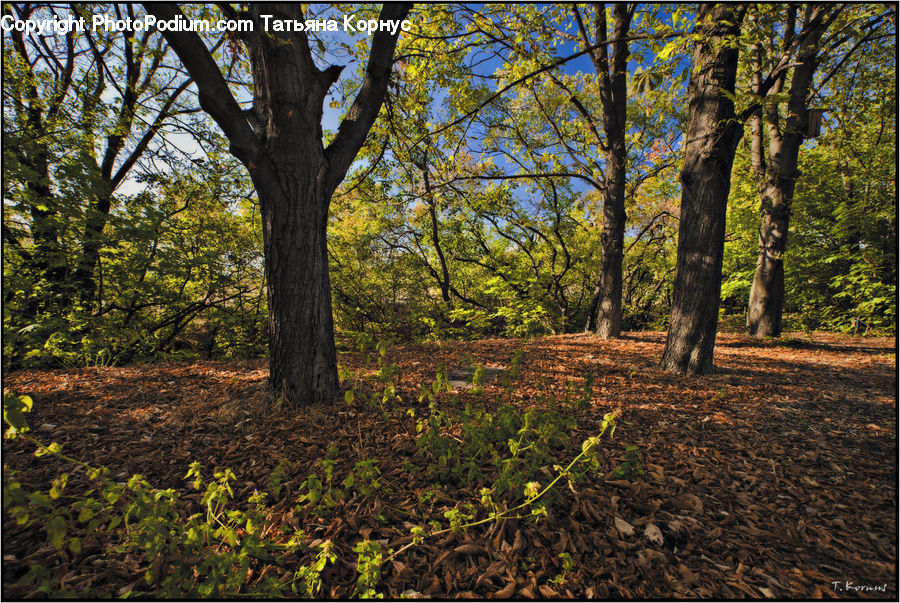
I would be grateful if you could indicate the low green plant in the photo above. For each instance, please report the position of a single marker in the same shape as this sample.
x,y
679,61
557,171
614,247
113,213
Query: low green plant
x,y
185,555
516,444
567,564
368,566
587,392
276,478
307,580
515,366
464,518
214,552
386,372
440,384
321,497
632,466
365,478
478,380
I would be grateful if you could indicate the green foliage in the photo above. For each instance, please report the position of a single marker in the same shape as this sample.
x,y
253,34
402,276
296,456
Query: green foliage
x,y
515,444
117,247
14,409
276,478
193,555
368,566
567,564
478,380
182,277
440,384
321,497
309,576
632,466
365,478
515,366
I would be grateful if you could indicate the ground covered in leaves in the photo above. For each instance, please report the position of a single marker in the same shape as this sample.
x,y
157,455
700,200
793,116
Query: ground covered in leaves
x,y
774,477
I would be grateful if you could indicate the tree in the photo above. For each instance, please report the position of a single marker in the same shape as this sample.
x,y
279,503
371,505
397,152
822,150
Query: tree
x,y
612,80
65,99
710,143
294,172
775,149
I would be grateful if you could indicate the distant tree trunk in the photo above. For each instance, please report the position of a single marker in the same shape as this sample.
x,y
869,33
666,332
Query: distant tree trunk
x,y
612,244
776,178
295,175
444,279
612,239
710,144
612,80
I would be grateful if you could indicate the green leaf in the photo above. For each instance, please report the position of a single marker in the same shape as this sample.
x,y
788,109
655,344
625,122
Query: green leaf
x,y
14,408
667,50
56,532
85,515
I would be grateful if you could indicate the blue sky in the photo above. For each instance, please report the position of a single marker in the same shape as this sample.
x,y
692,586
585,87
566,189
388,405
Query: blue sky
x,y
335,46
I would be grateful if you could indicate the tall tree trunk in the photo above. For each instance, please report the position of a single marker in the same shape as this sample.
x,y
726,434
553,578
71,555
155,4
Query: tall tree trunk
x,y
710,144
776,179
612,75
302,362
612,244
294,173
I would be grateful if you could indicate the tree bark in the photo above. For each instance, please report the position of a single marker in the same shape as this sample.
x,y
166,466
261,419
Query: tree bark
x,y
710,144
612,73
776,179
612,239
294,174
444,280
303,361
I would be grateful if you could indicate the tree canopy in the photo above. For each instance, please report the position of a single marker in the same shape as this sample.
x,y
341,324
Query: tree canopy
x,y
520,176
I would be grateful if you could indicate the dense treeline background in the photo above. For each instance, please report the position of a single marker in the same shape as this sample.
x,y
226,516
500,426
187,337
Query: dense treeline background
x,y
130,233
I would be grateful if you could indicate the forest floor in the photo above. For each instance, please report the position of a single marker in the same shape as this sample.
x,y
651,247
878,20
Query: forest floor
x,y
774,477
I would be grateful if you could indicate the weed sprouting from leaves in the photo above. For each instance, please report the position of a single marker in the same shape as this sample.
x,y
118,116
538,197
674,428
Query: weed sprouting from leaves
x,y
276,477
368,566
365,478
567,564
515,365
632,466
478,380
516,444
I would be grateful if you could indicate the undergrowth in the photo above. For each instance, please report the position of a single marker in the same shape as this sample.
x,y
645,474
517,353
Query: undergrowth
x,y
506,460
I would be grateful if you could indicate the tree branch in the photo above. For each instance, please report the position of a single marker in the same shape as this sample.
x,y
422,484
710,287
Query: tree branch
x,y
359,119
215,97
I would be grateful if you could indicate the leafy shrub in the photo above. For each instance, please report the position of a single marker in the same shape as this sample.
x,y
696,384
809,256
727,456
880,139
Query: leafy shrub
x,y
514,443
